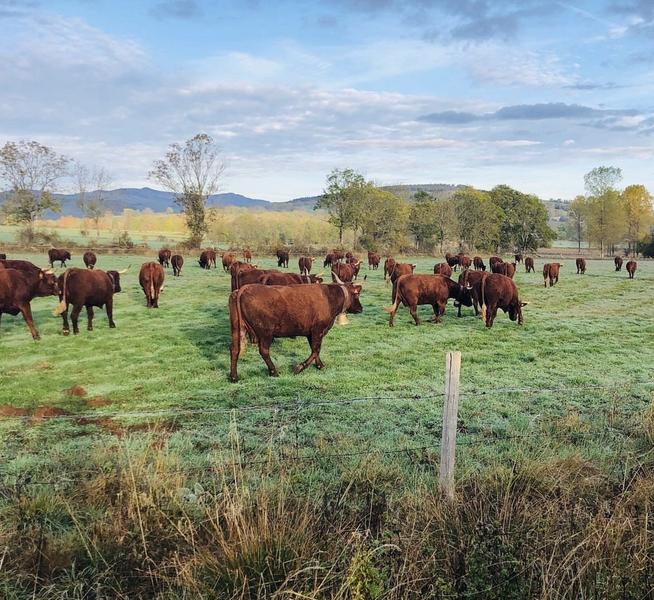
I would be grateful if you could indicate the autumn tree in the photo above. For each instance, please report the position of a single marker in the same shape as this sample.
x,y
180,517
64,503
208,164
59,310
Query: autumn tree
x,y
423,223
343,199
31,171
384,219
605,220
478,219
577,220
192,171
92,184
636,204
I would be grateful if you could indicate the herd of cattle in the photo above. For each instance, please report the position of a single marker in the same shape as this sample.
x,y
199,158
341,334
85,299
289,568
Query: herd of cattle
x,y
265,304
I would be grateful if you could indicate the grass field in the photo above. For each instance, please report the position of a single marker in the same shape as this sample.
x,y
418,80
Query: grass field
x,y
371,420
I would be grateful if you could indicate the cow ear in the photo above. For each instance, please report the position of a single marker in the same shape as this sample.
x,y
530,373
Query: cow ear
x,y
40,274
357,288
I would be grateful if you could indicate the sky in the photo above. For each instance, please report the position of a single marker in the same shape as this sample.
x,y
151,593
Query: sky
x,y
529,93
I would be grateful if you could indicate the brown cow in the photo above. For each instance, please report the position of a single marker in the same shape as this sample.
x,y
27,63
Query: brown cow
x,y
518,258
471,280
329,260
434,290
373,260
90,259
529,264
55,254
278,278
19,287
268,312
339,255
305,263
21,265
503,268
227,259
581,266
618,263
494,260
204,261
247,255
177,261
478,263
249,274
211,257
399,269
443,269
282,258
164,257
631,267
452,260
499,291
86,288
389,265
345,272
151,278
464,261
551,273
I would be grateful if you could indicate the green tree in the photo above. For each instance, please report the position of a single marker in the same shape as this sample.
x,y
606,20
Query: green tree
x,y
384,220
524,225
478,219
423,220
343,199
31,171
577,220
637,209
605,221
191,171
602,179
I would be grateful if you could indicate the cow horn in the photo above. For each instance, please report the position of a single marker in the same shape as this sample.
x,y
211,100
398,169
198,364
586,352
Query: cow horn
x,y
123,271
524,303
48,271
468,286
320,274
337,278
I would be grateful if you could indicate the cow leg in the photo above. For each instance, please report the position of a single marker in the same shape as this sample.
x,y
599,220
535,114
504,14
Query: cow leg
x,y
74,316
89,318
414,313
264,350
109,307
64,317
315,341
491,313
26,311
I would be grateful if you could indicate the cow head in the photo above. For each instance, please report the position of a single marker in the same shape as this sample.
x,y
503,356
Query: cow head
x,y
115,280
48,284
354,291
67,255
463,295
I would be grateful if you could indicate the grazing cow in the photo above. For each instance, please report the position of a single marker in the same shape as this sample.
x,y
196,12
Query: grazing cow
x,y
211,257
90,259
443,269
435,290
151,278
464,261
282,258
631,267
268,312
373,260
305,263
471,280
227,259
618,263
518,258
581,266
61,255
278,278
499,291
551,273
389,265
478,263
452,260
329,260
247,255
19,287
86,288
204,261
503,268
241,277
345,272
177,261
164,257
529,264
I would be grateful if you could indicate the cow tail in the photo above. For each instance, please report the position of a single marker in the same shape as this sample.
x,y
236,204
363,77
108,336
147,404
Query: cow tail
x,y
61,307
152,283
483,299
241,336
397,300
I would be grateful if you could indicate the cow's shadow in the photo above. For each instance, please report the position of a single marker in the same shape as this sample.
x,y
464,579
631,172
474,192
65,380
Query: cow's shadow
x,y
210,335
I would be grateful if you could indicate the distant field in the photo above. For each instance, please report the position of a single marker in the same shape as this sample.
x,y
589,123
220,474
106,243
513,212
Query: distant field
x,y
588,330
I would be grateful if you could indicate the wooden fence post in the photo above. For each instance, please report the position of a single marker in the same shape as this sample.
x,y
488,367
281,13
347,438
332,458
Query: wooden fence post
x,y
450,416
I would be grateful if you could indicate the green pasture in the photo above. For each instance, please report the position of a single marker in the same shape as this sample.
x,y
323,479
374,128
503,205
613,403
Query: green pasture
x,y
381,389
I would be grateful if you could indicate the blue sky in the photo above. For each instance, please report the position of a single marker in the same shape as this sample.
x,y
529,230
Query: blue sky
x,y
532,93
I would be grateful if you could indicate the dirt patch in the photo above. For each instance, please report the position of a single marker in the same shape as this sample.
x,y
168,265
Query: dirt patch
x,y
98,402
76,390
44,366
47,412
12,411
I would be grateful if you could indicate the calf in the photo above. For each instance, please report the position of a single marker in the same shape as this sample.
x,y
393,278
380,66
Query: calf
x,y
267,312
247,256
373,261
443,269
499,291
518,258
581,266
305,263
55,254
282,258
177,261
551,273
19,287
227,259
87,288
529,264
435,290
389,265
631,267
164,257
90,259
478,263
618,263
151,278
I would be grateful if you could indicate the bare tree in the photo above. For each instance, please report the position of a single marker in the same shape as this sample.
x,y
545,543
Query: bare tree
x,y
31,170
192,172
92,183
